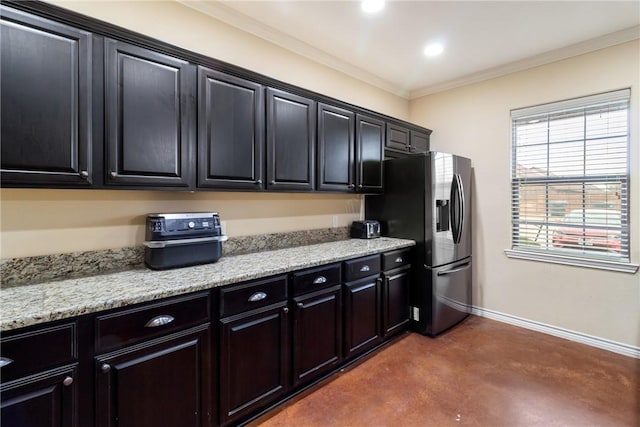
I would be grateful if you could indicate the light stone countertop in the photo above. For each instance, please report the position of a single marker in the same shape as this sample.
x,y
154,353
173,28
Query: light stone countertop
x,y
38,303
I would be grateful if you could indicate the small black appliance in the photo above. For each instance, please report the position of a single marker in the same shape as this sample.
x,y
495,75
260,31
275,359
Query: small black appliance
x,y
182,239
368,229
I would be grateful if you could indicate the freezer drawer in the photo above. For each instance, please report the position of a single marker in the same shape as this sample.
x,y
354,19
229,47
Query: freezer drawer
x,y
447,297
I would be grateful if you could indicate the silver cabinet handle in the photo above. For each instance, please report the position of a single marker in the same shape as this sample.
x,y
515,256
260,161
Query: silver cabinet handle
x,y
365,268
258,181
113,174
320,280
399,259
351,186
163,319
105,367
257,296
272,182
285,309
360,186
84,174
300,305
67,381
4,361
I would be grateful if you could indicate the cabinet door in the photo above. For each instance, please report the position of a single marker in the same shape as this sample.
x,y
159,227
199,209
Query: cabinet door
x,y
291,136
150,117
44,400
369,153
230,131
419,142
336,143
45,102
164,383
254,360
361,315
317,334
398,137
395,300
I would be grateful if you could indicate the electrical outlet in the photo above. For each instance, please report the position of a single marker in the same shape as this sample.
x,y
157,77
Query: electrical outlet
x,y
334,221
223,227
414,313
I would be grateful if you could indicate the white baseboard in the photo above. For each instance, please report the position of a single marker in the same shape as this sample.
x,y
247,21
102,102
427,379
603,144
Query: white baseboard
x,y
616,347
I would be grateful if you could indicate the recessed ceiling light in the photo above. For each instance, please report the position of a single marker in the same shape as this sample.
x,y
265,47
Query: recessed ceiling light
x,y
372,6
434,49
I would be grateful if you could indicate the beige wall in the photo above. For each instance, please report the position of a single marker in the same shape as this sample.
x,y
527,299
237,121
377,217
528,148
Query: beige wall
x,y
38,222
474,121
184,27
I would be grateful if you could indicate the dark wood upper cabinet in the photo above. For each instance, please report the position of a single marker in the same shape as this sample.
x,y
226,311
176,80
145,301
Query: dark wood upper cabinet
x,y
291,141
402,140
398,137
81,107
336,148
46,102
419,141
230,131
150,120
370,133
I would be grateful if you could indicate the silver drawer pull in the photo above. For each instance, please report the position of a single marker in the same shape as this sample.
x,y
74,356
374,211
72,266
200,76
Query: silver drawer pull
x,y
365,268
320,280
258,296
399,259
4,361
161,320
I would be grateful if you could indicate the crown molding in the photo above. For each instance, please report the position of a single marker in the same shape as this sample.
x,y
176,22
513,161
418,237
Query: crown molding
x,y
245,23
591,45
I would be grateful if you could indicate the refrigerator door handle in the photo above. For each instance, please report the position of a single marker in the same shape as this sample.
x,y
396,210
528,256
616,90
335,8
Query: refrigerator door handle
x,y
461,200
455,270
452,209
456,208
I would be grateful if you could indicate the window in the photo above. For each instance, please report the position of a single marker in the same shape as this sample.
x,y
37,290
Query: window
x,y
570,181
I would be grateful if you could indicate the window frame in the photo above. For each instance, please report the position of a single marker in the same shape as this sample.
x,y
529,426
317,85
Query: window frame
x,y
559,256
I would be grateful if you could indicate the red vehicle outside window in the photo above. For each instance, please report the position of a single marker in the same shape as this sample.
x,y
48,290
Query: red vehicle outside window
x,y
589,229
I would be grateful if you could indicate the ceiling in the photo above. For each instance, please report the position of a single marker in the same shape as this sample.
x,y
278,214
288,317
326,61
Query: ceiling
x,y
482,39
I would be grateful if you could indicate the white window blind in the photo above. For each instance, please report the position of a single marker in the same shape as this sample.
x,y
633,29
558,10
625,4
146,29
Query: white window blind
x,y
570,178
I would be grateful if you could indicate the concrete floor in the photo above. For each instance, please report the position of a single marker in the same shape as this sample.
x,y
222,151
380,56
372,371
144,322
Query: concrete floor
x,y
481,373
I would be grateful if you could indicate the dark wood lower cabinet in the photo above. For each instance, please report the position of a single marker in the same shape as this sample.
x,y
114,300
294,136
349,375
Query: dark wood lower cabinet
x,y
254,360
395,300
361,315
43,400
278,335
165,382
317,334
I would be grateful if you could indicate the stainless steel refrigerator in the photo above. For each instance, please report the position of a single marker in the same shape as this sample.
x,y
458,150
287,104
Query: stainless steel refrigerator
x,y
427,198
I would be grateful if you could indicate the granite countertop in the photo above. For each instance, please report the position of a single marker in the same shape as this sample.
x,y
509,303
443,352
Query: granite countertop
x,y
38,303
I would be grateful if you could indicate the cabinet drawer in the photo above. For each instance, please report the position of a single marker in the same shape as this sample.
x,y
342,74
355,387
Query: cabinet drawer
x,y
396,259
41,349
125,327
362,267
238,298
315,279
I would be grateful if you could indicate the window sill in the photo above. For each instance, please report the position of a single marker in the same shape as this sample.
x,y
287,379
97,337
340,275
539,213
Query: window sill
x,y
577,262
